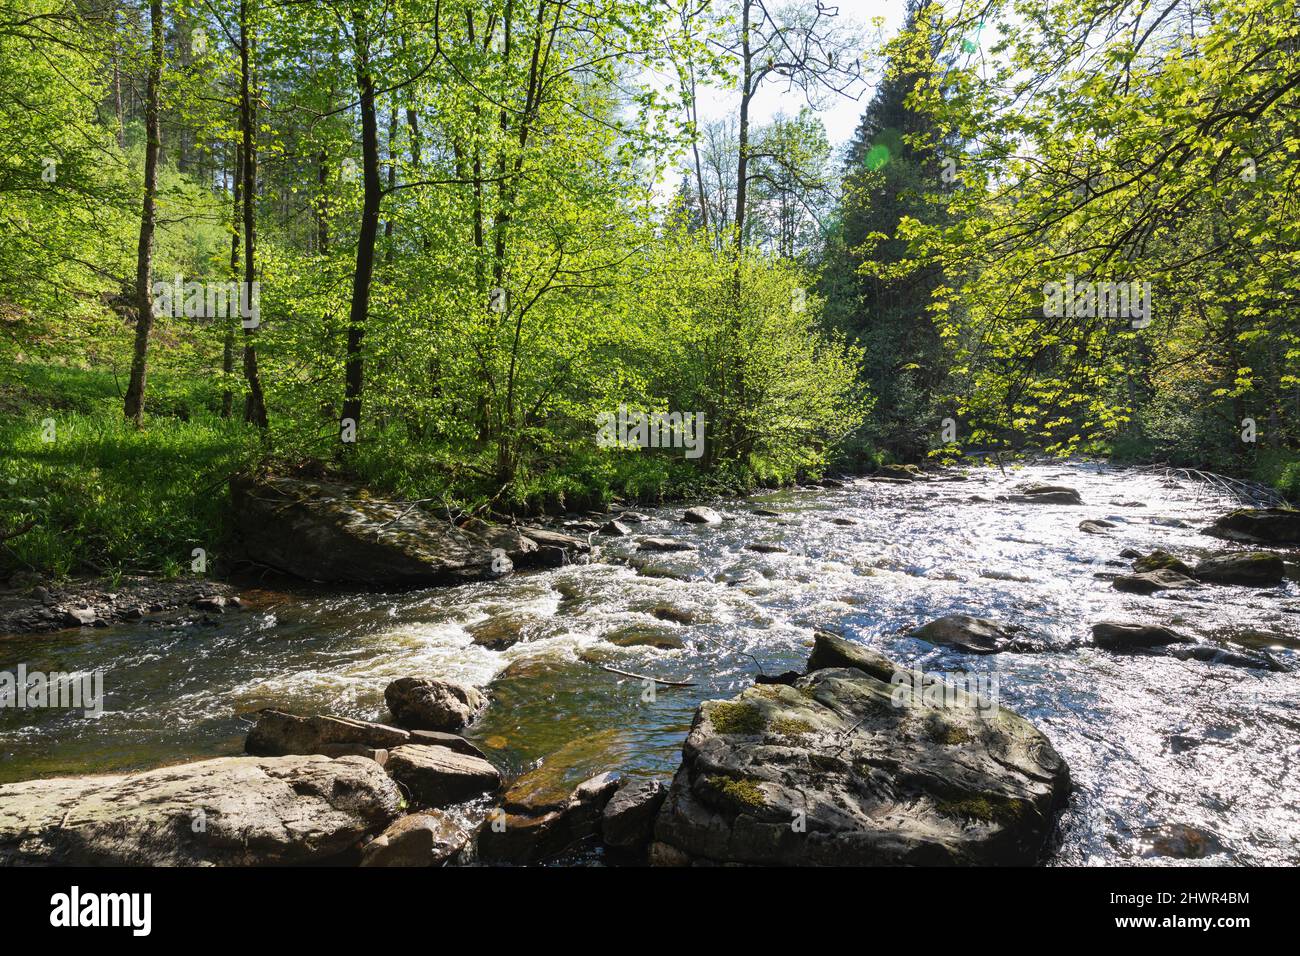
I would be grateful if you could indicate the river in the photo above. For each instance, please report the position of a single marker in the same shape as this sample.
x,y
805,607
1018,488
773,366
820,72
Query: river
x,y
1172,761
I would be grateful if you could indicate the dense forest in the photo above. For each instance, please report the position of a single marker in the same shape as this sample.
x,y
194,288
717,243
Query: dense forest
x,y
431,244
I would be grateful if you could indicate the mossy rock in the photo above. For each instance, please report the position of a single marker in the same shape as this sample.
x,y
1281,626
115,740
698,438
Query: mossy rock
x,y
1161,561
873,776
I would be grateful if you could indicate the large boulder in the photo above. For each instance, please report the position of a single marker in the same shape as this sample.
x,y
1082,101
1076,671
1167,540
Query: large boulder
x,y
844,769
439,776
425,703
324,531
1250,568
430,838
232,811
701,516
1259,526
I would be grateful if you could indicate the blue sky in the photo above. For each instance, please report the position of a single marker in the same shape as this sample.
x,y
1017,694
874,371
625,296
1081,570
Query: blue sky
x,y
841,113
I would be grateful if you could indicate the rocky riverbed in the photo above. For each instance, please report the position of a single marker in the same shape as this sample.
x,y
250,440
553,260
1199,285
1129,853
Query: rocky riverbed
x,y
1053,663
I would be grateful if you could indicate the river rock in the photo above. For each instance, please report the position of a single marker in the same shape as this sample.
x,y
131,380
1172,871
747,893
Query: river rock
x,y
1095,526
538,820
556,549
639,635
439,776
325,531
232,811
1210,654
502,630
1149,582
430,838
975,635
665,544
1250,568
701,516
873,773
1182,842
628,820
832,651
277,734
615,529
1159,560
907,473
1259,526
425,703
763,547
1048,495
765,513
1117,636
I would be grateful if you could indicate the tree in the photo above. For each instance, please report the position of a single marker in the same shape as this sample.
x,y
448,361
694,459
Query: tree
x,y
135,392
898,169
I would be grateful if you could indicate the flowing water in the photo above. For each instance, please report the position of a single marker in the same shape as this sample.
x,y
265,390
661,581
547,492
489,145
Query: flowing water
x,y
1171,760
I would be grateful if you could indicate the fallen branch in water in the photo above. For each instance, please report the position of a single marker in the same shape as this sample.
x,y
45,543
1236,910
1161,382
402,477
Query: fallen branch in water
x,y
657,680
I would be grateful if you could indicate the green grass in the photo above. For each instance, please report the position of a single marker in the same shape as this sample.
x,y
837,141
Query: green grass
x,y
1281,470
105,497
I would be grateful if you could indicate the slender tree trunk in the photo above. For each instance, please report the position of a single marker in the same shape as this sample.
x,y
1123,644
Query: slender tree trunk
x,y
117,97
322,207
255,405
392,179
134,403
354,368
742,156
228,352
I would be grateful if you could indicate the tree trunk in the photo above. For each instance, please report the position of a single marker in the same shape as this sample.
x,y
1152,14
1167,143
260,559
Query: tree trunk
x,y
228,352
742,156
354,369
255,405
134,404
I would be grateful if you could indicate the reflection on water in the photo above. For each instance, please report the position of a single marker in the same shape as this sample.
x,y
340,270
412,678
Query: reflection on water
x,y
1156,746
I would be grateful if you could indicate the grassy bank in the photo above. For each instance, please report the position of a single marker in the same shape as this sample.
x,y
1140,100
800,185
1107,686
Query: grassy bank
x,y
99,496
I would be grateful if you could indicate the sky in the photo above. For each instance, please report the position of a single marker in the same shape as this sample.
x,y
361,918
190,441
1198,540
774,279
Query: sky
x,y
840,114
